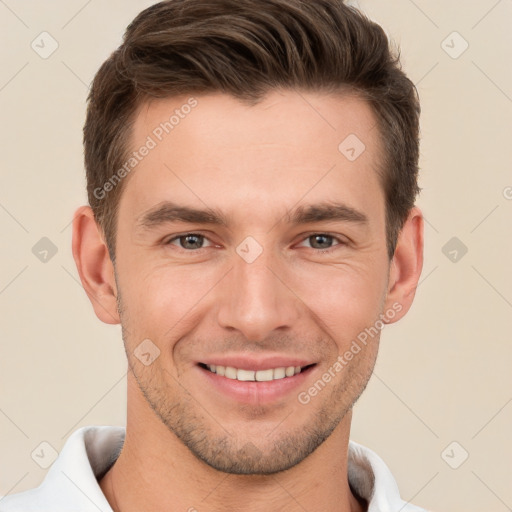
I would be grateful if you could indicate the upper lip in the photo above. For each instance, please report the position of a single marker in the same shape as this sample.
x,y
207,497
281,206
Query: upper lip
x,y
256,363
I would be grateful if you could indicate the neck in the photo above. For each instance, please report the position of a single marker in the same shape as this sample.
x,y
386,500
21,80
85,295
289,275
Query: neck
x,y
156,471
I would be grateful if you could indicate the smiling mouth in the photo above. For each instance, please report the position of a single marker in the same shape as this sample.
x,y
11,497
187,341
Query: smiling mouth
x,y
255,375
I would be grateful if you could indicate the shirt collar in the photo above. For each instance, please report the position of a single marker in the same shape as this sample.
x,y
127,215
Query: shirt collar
x,y
90,451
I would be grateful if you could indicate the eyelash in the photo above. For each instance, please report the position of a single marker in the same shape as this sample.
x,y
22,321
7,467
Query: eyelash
x,y
318,251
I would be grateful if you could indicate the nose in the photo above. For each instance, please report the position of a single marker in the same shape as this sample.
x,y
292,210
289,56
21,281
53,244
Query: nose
x,y
256,298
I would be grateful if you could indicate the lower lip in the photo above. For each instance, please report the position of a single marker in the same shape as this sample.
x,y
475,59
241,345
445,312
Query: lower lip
x,y
252,392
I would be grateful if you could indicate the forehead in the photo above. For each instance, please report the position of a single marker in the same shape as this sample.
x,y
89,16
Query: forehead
x,y
289,147
225,120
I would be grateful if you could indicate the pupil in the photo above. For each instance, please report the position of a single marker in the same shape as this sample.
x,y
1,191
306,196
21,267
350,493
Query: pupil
x,y
194,241
194,244
323,239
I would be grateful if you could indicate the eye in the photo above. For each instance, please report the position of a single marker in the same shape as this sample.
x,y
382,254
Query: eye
x,y
188,241
323,242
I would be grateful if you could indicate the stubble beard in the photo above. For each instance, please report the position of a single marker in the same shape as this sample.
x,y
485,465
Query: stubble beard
x,y
189,419
205,436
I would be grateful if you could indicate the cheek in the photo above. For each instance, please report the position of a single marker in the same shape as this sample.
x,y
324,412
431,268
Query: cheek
x,y
166,301
345,298
162,299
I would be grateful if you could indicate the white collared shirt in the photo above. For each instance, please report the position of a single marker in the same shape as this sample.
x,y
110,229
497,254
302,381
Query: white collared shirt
x,y
71,484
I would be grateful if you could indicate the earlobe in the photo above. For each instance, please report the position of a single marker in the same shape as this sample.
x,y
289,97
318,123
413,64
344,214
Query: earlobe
x,y
94,265
406,265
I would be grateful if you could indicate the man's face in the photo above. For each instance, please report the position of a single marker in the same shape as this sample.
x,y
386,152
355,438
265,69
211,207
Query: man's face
x,y
264,290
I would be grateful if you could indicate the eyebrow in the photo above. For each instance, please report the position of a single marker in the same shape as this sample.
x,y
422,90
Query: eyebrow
x,y
325,212
169,211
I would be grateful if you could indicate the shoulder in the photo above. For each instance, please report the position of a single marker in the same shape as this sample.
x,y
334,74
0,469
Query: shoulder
x,y
72,480
371,479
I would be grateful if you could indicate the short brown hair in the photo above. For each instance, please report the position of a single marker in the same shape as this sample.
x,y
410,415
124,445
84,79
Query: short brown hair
x,y
246,48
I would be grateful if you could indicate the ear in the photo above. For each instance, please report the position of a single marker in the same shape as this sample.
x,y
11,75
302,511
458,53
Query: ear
x,y
94,265
406,266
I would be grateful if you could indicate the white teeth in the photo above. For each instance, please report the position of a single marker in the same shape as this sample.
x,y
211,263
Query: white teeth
x,y
230,372
254,375
279,373
264,375
245,374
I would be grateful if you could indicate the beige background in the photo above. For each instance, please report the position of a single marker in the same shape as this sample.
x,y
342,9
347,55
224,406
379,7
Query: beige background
x,y
443,373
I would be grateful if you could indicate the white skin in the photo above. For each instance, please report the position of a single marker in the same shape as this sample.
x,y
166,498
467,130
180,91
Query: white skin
x,y
188,444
